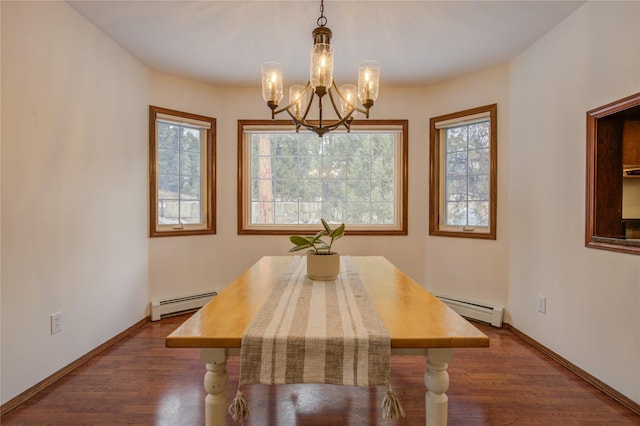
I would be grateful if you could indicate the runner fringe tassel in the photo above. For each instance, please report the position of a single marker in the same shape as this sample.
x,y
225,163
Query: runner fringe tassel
x,y
239,408
391,408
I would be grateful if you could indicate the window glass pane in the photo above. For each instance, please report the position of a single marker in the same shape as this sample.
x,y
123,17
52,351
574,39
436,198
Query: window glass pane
x,y
359,145
479,135
285,167
309,166
189,163
334,190
335,144
382,213
190,139
478,213
467,175
334,211
334,167
310,190
358,213
285,212
341,177
179,173
190,211
456,213
457,189
478,187
456,139
284,190
263,211
168,211
358,190
167,136
382,166
382,190
358,167
479,162
457,163
169,161
382,145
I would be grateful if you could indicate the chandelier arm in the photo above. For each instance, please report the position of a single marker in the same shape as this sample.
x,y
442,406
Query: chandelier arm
x,y
320,130
295,121
332,126
308,108
320,112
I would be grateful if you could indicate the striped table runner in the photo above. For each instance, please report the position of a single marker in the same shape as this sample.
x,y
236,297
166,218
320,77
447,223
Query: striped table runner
x,y
316,332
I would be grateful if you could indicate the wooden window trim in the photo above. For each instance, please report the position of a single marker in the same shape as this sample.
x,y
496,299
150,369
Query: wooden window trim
x,y
209,198
403,175
435,174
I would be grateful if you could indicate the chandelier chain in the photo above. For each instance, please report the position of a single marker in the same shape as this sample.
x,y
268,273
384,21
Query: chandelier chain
x,y
322,20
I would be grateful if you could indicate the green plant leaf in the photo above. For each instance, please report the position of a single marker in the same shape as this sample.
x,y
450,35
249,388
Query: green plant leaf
x,y
338,232
326,226
299,240
297,248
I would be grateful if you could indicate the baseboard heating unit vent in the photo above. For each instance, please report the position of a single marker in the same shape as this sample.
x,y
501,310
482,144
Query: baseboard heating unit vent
x,y
474,310
176,305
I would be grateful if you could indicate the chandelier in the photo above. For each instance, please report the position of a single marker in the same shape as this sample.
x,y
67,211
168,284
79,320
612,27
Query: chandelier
x,y
345,99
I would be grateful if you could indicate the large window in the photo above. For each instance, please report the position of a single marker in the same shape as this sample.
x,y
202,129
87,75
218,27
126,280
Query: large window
x,y
288,181
463,174
181,173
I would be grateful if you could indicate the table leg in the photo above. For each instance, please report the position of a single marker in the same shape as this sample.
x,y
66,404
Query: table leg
x,y
215,385
436,379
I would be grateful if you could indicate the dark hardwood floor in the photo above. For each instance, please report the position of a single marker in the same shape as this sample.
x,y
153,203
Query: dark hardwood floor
x,y
140,382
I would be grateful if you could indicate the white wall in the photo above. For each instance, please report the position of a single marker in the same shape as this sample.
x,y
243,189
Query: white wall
x,y
593,296
183,265
74,194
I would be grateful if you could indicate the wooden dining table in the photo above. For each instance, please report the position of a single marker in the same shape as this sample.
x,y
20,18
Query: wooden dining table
x,y
417,323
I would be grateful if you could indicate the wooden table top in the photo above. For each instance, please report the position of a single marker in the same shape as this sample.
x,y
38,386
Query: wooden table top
x,y
412,316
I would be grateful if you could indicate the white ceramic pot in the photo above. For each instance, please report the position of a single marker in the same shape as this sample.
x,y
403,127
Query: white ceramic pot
x,y
323,267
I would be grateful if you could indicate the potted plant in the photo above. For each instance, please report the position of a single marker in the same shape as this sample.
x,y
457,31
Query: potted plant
x,y
322,263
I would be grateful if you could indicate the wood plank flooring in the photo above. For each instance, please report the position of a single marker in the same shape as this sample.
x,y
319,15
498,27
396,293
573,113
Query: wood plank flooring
x,y
140,382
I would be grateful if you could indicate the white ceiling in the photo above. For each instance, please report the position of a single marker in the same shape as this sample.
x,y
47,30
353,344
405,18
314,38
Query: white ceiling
x,y
417,42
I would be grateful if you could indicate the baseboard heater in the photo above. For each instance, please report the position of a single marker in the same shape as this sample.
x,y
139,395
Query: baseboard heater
x,y
474,310
162,308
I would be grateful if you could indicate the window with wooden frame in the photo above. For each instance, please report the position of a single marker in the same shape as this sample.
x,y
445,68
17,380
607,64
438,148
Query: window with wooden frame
x,y
288,180
182,152
462,182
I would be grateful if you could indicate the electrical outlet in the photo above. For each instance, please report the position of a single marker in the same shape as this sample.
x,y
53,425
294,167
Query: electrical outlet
x,y
56,322
542,304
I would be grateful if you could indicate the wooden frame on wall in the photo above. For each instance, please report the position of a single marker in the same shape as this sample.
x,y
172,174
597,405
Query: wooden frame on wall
x,y
606,130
